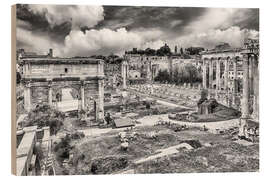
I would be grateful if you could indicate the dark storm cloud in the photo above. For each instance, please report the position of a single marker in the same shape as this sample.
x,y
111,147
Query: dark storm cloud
x,y
250,20
87,30
164,18
38,23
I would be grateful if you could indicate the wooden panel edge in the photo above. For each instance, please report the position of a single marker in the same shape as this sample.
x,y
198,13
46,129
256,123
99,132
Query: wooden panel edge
x,y
13,90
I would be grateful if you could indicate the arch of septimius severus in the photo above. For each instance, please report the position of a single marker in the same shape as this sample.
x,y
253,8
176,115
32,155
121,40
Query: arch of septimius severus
x,y
232,75
43,77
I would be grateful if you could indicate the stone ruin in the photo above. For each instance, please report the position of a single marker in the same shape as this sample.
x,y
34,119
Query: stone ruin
x,y
206,106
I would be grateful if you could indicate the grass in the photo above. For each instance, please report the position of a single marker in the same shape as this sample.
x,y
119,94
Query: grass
x,y
103,155
221,113
225,157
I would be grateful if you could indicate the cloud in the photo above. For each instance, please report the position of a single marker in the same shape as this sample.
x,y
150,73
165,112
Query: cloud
x,y
89,30
210,38
36,43
106,41
79,16
222,18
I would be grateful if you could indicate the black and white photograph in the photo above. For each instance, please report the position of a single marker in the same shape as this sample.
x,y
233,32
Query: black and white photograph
x,y
117,89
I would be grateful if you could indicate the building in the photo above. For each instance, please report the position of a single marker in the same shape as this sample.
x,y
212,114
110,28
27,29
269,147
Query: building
x,y
44,77
148,66
234,74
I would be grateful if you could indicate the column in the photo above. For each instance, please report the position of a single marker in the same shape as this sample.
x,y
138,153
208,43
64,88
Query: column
x,y
123,73
204,73
211,74
101,100
82,96
251,74
235,87
255,113
27,96
226,74
50,94
218,74
226,64
245,98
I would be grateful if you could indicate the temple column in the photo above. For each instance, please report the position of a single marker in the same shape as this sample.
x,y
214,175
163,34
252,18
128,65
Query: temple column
x,y
50,94
226,77
82,96
251,74
27,97
101,100
211,74
235,87
245,98
204,73
218,74
124,73
255,113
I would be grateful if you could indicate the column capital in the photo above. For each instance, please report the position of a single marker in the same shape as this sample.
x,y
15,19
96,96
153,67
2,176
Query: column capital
x,y
246,57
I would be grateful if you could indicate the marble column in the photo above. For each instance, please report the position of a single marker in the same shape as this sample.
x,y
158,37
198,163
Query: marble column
x,y
255,113
27,97
218,74
226,74
124,73
101,100
82,96
211,73
226,78
245,98
50,94
235,87
204,74
251,74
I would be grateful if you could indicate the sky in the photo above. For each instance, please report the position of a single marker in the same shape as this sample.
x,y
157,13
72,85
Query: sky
x,y
79,30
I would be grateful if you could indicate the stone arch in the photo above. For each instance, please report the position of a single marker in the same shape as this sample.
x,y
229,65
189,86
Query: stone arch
x,y
58,87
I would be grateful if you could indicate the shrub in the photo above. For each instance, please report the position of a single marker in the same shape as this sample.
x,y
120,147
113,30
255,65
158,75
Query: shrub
x,y
43,116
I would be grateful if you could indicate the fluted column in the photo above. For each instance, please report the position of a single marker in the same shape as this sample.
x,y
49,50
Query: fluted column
x,y
251,74
245,98
256,88
226,77
82,96
204,73
50,93
235,88
101,100
211,74
218,74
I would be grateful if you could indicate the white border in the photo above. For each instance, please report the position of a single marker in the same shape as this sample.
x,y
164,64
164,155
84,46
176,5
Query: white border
x,y
264,83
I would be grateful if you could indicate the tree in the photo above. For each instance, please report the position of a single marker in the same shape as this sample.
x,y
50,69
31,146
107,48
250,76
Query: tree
x,y
43,116
163,76
194,50
181,51
186,74
164,51
150,52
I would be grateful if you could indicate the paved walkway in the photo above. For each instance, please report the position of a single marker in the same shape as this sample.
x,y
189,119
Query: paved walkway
x,y
164,152
67,103
212,126
153,119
